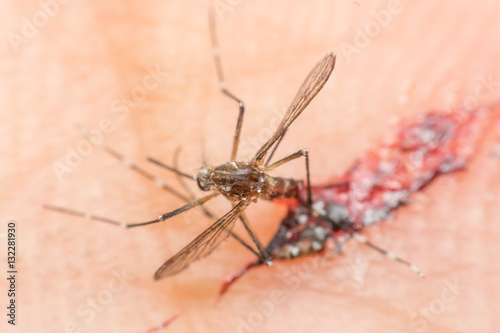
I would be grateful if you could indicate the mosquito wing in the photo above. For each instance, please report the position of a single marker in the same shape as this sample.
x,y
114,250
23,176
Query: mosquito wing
x,y
307,91
203,244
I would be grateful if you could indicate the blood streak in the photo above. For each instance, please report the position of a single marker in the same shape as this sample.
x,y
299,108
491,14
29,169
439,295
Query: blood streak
x,y
379,181
163,325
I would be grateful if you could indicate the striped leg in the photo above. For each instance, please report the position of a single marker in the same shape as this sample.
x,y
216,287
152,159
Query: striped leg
x,y
320,212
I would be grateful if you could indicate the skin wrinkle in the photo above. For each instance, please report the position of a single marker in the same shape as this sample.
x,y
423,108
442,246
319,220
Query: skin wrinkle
x,y
91,54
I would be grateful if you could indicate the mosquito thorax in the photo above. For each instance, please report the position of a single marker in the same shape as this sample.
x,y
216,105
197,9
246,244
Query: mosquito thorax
x,y
237,180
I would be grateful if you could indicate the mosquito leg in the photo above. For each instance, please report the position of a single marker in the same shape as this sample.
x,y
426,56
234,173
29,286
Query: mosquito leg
x,y
129,163
298,154
264,256
84,215
222,85
205,210
181,181
175,170
337,243
274,150
160,218
141,171
318,211
390,255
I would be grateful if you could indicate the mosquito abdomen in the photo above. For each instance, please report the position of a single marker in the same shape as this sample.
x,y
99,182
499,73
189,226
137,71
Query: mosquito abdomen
x,y
282,188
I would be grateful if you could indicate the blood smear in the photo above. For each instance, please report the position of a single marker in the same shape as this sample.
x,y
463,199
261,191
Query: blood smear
x,y
379,181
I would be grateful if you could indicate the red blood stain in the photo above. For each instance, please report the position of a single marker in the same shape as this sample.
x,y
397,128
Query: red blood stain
x,y
378,182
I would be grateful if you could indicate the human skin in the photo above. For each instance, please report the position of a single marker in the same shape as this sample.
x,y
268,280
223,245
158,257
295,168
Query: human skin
x,y
89,55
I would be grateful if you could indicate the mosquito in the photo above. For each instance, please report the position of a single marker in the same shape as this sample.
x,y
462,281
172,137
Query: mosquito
x,y
240,182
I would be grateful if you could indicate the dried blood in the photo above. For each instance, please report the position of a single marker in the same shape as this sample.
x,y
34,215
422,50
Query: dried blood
x,y
378,182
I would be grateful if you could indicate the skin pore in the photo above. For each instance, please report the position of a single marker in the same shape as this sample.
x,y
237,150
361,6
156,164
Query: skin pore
x,y
143,76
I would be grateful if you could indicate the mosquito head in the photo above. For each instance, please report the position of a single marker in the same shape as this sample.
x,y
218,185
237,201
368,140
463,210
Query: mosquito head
x,y
203,178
